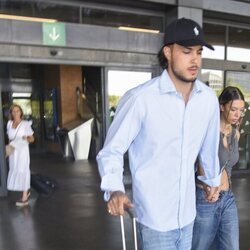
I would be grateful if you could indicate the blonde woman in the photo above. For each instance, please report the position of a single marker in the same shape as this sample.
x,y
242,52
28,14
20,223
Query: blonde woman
x,y
20,134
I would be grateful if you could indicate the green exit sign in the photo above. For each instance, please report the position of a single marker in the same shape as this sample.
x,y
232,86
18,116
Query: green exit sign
x,y
54,34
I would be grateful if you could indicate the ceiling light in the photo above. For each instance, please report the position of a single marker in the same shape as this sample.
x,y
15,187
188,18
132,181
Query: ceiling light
x,y
27,18
19,94
138,29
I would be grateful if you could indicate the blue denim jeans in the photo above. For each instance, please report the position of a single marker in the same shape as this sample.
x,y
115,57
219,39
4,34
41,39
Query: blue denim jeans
x,y
216,224
180,239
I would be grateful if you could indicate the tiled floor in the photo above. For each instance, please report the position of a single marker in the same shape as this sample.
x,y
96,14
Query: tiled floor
x,y
75,216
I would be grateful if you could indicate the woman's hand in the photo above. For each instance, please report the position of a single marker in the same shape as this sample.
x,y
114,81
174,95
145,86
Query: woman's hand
x,y
29,139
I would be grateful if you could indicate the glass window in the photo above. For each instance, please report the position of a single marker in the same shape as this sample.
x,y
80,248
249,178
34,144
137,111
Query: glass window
x,y
214,35
50,114
238,45
121,81
121,19
213,78
241,80
59,12
67,13
4,71
20,71
26,106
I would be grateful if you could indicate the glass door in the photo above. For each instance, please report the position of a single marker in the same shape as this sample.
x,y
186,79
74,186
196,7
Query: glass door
x,y
50,116
119,82
214,79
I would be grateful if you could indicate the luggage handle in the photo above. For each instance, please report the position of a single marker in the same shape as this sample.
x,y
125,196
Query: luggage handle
x,y
133,217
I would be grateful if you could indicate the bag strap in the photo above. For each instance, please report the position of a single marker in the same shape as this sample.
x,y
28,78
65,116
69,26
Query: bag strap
x,y
19,125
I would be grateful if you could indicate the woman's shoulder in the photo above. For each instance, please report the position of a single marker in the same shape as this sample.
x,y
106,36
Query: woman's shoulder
x,y
26,123
9,123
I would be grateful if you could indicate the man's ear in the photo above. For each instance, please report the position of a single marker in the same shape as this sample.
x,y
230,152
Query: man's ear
x,y
167,52
222,108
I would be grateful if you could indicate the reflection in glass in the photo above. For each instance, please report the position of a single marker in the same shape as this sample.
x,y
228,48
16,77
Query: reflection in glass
x,y
238,54
62,13
120,82
214,35
213,78
242,80
217,53
50,114
238,45
36,119
117,19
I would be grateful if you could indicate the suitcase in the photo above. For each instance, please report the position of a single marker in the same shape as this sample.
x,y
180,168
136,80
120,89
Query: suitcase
x,y
43,184
133,218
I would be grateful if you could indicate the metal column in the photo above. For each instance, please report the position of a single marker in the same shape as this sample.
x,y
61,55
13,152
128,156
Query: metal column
x,y
3,170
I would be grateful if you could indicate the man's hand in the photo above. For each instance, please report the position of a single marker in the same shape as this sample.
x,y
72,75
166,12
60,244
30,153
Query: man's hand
x,y
118,202
212,193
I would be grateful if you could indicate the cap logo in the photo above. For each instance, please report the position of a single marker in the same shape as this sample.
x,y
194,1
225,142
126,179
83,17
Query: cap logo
x,y
196,31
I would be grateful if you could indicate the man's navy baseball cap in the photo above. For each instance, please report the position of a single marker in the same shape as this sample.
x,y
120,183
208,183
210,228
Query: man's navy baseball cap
x,y
185,32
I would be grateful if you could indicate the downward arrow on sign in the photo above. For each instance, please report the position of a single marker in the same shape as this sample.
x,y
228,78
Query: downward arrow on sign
x,y
54,35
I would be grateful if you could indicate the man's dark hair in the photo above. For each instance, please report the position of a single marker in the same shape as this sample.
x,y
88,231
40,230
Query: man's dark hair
x,y
162,59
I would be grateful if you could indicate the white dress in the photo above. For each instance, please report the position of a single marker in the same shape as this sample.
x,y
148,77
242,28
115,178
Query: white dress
x,y
19,161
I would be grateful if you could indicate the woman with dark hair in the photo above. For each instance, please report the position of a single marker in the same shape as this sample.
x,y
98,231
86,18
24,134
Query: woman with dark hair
x,y
216,225
20,134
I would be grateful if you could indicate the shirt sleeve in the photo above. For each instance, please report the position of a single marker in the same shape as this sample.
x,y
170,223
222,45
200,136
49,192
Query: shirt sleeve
x,y
8,127
28,129
124,128
208,156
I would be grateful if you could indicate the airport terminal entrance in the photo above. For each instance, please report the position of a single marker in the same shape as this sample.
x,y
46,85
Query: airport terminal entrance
x,y
53,97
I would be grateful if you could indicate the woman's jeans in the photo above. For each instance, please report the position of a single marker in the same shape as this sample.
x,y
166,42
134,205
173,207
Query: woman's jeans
x,y
180,239
216,225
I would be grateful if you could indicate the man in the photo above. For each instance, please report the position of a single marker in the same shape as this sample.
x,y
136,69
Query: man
x,y
164,145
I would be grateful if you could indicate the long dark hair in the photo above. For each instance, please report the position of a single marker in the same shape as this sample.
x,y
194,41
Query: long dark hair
x,y
229,94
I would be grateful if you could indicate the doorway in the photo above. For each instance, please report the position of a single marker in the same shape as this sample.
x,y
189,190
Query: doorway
x,y
119,81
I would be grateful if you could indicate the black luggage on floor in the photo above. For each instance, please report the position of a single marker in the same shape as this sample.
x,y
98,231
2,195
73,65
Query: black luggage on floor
x,y
43,184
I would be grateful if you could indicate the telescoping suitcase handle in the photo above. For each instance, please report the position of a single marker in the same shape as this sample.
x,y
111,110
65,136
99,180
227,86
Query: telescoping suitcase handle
x,y
133,218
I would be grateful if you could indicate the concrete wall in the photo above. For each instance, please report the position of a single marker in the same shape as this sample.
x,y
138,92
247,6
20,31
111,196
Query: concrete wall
x,y
99,45
85,44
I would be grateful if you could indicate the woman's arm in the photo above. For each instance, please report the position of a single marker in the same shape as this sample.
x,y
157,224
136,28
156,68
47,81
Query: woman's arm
x,y
29,139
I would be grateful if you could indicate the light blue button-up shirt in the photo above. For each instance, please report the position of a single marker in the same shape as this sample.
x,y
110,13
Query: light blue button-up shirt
x,y
163,137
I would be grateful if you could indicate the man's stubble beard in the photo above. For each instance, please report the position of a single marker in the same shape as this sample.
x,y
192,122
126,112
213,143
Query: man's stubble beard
x,y
180,76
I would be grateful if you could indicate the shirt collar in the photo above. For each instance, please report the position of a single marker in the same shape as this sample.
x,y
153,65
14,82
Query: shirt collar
x,y
167,86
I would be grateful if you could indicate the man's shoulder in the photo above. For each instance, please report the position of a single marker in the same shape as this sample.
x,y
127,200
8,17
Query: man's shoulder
x,y
144,88
206,89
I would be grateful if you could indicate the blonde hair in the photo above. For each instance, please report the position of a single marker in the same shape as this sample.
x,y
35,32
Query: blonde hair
x,y
14,105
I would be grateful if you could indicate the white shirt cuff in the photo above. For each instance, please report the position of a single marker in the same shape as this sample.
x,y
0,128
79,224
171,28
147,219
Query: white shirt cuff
x,y
215,182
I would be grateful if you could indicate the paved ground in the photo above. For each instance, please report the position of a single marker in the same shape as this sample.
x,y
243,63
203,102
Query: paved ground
x,y
75,217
